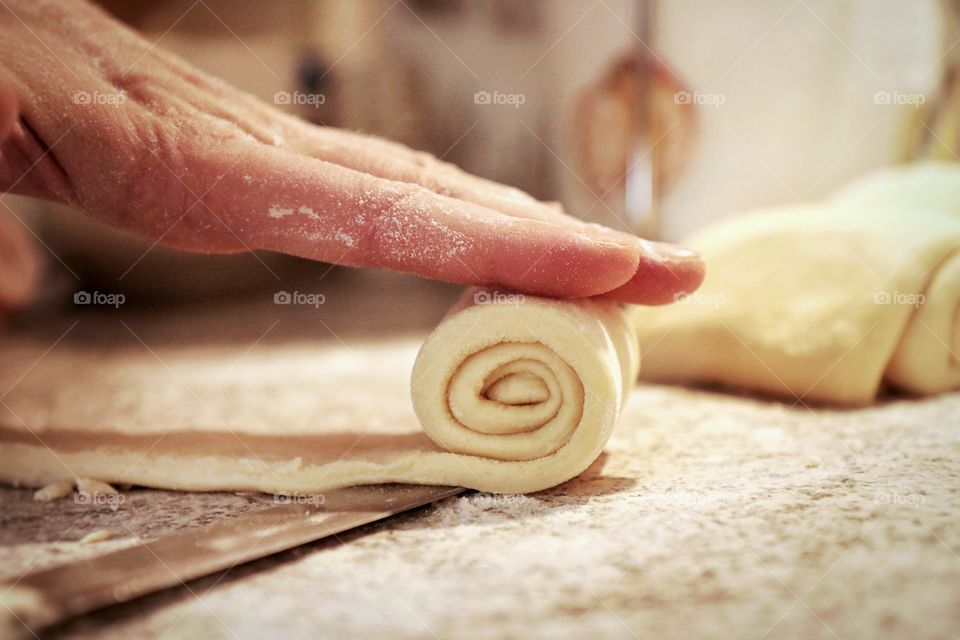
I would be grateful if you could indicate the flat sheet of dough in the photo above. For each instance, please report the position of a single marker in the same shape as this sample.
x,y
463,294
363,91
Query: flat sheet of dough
x,y
824,302
515,395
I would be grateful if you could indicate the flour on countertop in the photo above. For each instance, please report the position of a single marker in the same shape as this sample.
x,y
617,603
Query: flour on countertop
x,y
94,487
96,536
53,491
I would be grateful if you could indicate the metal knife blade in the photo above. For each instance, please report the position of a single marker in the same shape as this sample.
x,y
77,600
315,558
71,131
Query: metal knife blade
x,y
42,598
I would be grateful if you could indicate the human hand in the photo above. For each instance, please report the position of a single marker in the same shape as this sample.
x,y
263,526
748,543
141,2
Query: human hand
x,y
139,139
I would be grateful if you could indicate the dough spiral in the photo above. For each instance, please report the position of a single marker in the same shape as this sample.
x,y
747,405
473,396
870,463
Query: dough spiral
x,y
523,391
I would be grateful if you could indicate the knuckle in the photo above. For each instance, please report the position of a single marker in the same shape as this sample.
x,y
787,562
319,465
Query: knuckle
x,y
161,189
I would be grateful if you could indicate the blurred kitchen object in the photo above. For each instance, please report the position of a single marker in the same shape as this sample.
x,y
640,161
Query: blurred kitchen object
x,y
625,154
936,132
795,98
790,99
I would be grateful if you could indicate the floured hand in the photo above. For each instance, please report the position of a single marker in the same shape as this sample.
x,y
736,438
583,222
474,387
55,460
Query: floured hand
x,y
102,120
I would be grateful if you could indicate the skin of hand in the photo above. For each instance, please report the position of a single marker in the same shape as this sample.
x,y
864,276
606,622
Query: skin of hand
x,y
92,115
18,259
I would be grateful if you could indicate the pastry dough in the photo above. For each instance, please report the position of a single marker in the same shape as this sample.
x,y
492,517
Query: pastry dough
x,y
525,392
515,394
926,359
824,302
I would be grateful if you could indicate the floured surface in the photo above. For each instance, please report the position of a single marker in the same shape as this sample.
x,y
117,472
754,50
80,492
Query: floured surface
x,y
246,377
269,401
709,516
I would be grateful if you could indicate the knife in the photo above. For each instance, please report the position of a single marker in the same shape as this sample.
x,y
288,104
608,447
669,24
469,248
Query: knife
x,y
42,598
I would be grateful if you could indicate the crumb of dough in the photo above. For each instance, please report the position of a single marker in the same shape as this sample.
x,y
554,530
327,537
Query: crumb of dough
x,y
96,536
53,491
23,608
813,462
86,485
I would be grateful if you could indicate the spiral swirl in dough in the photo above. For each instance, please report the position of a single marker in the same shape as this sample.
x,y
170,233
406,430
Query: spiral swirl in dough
x,y
522,391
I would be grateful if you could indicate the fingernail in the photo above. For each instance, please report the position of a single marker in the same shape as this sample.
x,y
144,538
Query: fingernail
x,y
673,251
601,233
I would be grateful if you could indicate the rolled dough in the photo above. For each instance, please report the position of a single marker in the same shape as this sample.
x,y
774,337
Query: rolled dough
x,y
525,391
514,393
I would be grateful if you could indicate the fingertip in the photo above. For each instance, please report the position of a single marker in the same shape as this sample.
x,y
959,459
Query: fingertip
x,y
556,261
665,272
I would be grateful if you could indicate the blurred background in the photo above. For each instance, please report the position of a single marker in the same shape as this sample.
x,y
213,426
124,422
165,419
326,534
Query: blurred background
x,y
654,117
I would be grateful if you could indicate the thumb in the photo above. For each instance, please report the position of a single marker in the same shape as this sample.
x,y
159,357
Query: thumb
x,y
19,266
18,261
8,108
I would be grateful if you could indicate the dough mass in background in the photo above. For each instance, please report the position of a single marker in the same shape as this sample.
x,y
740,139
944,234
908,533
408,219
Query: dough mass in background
x,y
827,301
